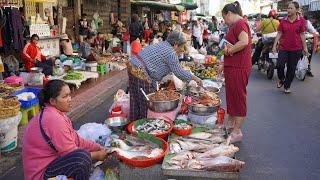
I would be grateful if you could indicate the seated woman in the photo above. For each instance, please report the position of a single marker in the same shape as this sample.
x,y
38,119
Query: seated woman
x,y
99,42
33,57
51,146
66,46
87,51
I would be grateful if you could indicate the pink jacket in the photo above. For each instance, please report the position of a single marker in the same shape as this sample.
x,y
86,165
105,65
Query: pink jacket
x,y
37,154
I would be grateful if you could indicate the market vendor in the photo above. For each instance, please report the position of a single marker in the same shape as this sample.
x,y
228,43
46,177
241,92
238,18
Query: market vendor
x,y
33,57
66,46
99,42
152,64
86,51
51,146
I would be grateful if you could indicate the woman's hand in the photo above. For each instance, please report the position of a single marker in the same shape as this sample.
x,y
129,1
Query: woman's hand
x,y
227,50
100,155
305,51
274,50
198,80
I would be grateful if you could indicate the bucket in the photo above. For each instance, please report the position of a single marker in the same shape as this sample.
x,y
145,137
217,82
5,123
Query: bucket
x,y
8,140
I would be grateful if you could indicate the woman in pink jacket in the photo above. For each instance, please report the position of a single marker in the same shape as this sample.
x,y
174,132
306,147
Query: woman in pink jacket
x,y
51,146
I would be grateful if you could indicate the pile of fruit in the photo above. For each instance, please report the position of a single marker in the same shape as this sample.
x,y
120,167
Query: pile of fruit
x,y
211,59
208,73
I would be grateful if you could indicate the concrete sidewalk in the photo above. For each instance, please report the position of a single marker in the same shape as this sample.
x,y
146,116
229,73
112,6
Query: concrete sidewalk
x,y
86,99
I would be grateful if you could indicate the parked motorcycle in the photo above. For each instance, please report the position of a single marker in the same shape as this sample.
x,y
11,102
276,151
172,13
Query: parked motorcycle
x,y
267,61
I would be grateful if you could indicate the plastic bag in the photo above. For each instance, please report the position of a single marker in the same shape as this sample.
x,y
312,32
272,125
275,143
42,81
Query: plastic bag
x,y
302,68
94,131
97,174
178,83
122,100
303,63
9,123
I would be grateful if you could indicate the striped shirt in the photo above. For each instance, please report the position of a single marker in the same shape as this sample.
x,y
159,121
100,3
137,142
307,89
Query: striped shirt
x,y
160,60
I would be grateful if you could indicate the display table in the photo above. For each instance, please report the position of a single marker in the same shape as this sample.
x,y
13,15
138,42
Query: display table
x,y
86,75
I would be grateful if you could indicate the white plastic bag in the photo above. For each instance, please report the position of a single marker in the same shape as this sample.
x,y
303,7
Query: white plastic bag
x,y
92,131
302,68
178,83
9,123
97,174
122,100
303,63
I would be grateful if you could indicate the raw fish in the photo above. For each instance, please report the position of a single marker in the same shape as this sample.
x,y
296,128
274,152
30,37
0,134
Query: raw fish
x,y
221,150
200,135
223,164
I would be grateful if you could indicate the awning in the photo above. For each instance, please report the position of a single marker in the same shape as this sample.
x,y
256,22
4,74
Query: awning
x,y
304,2
159,5
189,6
314,5
42,1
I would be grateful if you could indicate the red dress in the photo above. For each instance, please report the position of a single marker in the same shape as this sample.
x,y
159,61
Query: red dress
x,y
237,70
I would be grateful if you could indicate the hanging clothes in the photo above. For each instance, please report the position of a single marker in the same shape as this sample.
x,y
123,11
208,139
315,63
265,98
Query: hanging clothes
x,y
18,29
12,33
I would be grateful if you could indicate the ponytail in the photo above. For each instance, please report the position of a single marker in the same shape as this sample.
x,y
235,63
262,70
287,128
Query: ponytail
x,y
232,7
51,90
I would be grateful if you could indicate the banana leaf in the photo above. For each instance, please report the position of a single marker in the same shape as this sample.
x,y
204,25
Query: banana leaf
x,y
151,139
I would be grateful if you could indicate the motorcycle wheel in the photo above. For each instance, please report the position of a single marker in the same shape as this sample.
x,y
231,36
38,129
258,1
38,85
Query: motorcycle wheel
x,y
270,71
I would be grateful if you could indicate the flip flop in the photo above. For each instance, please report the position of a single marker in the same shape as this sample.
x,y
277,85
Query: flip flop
x,y
280,84
236,137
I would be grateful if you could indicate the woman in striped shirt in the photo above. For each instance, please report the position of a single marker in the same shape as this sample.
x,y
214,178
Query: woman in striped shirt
x,y
156,61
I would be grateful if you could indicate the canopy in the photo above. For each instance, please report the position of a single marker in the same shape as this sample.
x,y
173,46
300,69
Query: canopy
x,y
189,6
304,2
159,5
42,1
314,5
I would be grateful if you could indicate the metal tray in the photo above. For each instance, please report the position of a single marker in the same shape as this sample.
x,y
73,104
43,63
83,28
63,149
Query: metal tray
x,y
198,174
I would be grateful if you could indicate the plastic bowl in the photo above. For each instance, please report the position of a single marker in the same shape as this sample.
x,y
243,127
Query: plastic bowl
x,y
163,135
182,132
143,163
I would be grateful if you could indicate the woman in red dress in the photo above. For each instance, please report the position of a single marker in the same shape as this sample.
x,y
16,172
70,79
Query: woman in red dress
x,y
237,66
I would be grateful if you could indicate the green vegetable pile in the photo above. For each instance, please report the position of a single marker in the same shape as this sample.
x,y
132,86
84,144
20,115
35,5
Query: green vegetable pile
x,y
73,76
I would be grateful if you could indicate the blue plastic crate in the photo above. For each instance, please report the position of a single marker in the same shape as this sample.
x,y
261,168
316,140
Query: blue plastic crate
x,y
32,102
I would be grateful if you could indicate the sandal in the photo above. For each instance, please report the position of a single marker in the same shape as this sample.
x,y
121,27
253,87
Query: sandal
x,y
236,137
287,91
230,126
280,84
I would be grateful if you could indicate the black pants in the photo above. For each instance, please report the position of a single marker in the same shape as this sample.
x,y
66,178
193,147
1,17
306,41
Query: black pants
x,y
195,42
76,165
289,59
257,52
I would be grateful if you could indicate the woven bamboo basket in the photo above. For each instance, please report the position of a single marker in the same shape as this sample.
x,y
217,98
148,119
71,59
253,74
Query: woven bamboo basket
x,y
9,107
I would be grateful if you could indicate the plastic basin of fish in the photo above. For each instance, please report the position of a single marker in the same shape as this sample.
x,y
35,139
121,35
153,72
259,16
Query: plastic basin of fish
x,y
143,163
182,132
131,129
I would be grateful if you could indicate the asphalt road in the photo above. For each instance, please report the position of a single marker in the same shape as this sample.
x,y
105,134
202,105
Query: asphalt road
x,y
281,133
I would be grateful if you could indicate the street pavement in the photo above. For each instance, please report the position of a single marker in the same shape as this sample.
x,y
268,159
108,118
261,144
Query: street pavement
x,y
281,133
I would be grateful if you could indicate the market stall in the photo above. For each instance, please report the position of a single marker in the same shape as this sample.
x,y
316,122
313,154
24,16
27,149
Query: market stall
x,y
183,134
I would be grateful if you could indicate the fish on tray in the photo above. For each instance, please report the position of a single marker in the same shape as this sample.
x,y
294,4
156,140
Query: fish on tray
x,y
154,126
221,150
222,164
135,148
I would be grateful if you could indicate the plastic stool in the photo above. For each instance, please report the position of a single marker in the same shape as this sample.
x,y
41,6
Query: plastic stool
x,y
102,69
25,114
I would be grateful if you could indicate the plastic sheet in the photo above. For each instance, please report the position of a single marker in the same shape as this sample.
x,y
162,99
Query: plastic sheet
x,y
95,132
97,174
9,123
